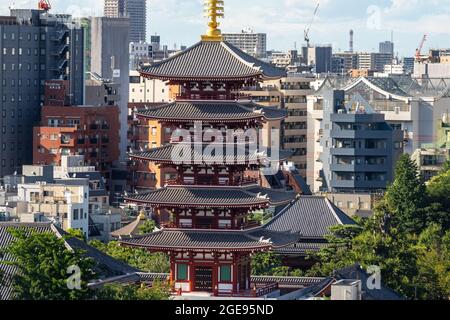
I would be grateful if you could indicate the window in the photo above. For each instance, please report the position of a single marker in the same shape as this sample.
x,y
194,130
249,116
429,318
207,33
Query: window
x,y
75,214
225,274
182,272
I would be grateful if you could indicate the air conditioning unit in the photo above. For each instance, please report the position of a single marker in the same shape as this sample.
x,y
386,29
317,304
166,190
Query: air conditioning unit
x,y
347,290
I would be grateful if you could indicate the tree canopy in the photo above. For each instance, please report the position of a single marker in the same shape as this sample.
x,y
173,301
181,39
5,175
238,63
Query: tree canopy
x,y
407,237
46,268
130,292
138,258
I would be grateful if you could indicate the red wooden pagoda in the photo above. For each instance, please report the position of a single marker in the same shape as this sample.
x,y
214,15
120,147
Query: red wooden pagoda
x,y
204,194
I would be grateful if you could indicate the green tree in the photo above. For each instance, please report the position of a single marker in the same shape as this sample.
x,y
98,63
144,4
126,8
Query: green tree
x,y
433,261
263,263
438,209
138,258
336,254
147,227
158,291
446,166
406,197
45,265
76,233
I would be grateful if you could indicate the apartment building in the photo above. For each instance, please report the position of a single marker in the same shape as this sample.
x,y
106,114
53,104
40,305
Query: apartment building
x,y
102,218
289,93
343,62
430,161
418,113
66,205
373,61
255,44
359,148
35,46
144,90
140,53
78,130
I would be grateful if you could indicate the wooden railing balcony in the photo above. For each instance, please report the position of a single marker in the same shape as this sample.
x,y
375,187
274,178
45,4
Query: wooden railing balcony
x,y
212,97
210,182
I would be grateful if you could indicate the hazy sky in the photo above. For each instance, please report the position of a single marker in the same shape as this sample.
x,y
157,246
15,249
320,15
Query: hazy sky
x,y
181,22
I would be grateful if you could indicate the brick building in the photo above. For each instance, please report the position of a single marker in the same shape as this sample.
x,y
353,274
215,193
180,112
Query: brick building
x,y
78,130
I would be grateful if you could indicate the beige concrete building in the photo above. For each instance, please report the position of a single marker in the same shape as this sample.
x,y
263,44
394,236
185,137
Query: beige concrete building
x,y
430,161
66,205
289,93
144,90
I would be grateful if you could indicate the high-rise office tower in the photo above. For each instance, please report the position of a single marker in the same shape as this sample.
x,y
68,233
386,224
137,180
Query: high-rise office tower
x,y
387,47
319,57
110,60
136,10
35,46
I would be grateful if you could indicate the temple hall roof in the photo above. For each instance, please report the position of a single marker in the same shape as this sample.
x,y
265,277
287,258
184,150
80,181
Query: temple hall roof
x,y
132,229
301,227
310,217
212,111
212,60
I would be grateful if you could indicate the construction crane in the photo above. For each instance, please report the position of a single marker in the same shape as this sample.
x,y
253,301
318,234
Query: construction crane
x,y
44,5
308,27
419,49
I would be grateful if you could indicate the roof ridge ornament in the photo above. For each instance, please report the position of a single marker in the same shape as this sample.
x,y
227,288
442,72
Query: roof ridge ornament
x,y
214,9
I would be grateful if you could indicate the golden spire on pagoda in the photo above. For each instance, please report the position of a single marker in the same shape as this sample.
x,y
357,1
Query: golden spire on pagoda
x,y
214,9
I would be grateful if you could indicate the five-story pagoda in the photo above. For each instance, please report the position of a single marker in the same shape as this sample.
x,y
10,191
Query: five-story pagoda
x,y
205,144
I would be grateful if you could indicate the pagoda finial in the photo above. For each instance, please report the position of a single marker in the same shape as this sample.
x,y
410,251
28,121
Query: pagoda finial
x,y
214,9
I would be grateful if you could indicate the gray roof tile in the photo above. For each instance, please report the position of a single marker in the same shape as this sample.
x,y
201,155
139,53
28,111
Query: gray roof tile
x,y
203,197
197,240
212,60
220,153
215,111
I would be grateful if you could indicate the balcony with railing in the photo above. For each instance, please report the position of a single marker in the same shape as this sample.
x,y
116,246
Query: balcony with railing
x,y
213,97
210,182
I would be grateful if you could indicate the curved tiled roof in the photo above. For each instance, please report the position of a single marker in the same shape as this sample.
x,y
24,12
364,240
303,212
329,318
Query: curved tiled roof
x,y
301,227
310,216
212,111
198,240
277,197
211,60
189,154
200,197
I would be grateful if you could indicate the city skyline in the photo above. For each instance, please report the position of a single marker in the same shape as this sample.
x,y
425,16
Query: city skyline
x,y
285,21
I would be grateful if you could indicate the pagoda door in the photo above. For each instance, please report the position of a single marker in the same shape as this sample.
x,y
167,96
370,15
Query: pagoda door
x,y
203,279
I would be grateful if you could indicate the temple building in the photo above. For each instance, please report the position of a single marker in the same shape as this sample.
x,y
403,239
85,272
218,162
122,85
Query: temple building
x,y
199,165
